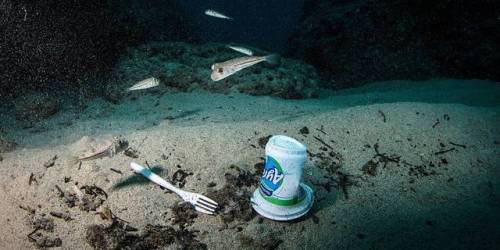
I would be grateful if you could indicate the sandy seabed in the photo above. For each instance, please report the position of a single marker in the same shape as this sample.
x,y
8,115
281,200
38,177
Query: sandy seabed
x,y
388,172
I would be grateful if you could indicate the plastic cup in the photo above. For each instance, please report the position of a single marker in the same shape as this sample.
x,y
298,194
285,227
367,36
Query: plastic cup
x,y
281,195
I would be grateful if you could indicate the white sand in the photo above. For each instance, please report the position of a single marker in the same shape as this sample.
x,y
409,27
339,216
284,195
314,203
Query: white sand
x,y
457,208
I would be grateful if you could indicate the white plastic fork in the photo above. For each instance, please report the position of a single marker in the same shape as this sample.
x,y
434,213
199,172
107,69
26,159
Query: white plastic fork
x,y
200,202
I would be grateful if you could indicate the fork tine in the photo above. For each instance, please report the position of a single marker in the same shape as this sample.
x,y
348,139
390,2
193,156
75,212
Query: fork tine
x,y
205,206
202,210
209,200
208,203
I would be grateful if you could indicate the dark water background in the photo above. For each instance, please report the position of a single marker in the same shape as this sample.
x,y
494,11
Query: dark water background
x,y
259,23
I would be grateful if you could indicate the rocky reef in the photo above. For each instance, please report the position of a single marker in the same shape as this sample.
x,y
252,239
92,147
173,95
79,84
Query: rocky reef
x,y
185,67
35,107
355,42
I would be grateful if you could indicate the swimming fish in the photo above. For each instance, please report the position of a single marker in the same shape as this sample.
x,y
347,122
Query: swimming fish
x,y
217,14
109,148
145,84
241,50
227,68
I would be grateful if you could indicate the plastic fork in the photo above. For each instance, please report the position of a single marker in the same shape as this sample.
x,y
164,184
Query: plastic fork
x,y
200,202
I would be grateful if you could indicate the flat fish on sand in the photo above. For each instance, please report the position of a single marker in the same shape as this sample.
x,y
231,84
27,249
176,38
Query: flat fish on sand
x,y
216,14
145,84
108,149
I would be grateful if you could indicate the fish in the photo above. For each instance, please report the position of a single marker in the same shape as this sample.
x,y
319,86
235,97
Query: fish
x,y
108,149
216,14
145,84
245,51
227,68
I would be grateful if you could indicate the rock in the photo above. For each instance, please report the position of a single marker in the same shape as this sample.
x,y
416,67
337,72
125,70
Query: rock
x,y
35,107
355,42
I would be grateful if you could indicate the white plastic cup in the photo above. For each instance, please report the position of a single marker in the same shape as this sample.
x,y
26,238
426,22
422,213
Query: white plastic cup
x,y
280,181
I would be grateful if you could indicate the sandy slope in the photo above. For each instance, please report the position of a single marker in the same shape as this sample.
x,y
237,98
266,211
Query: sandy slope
x,y
430,199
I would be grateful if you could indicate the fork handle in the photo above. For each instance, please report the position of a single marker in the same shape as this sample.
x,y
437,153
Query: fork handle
x,y
154,177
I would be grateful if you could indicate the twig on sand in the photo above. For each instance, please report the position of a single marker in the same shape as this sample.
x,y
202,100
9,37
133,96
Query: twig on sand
x,y
384,158
444,151
458,145
321,130
436,123
32,179
27,209
61,192
116,170
60,215
343,181
323,142
382,114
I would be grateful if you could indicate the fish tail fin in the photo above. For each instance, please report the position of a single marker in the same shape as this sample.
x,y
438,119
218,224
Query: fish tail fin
x,y
273,59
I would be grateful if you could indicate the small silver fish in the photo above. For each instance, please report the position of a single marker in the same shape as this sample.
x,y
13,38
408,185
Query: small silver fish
x,y
145,84
241,50
214,13
227,68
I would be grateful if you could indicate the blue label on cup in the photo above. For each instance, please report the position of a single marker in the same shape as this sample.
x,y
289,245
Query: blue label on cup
x,y
272,178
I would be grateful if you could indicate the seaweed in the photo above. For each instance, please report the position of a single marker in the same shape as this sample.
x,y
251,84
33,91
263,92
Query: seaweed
x,y
153,237
420,170
233,197
61,215
93,197
384,158
330,162
43,223
50,162
264,243
370,168
39,236
304,131
179,177
132,153
263,141
344,181
69,199
43,241
184,214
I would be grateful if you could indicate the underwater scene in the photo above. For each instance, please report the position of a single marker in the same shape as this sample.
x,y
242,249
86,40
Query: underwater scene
x,y
217,124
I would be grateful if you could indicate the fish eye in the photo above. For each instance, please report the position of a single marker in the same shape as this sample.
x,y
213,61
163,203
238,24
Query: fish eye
x,y
220,70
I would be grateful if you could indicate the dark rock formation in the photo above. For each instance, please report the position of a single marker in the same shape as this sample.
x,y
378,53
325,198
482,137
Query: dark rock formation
x,y
35,107
354,42
45,44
